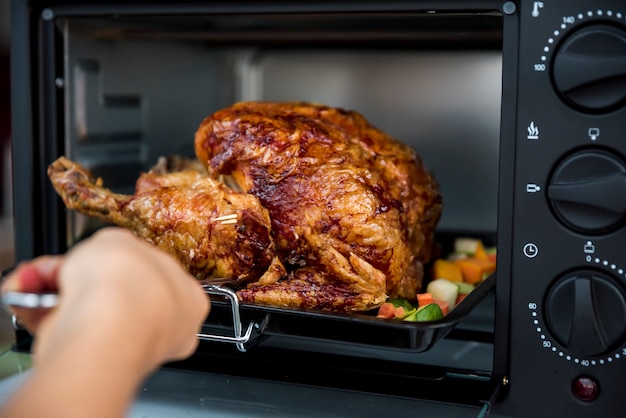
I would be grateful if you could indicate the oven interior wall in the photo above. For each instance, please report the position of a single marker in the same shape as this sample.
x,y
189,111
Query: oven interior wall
x,y
445,104
130,100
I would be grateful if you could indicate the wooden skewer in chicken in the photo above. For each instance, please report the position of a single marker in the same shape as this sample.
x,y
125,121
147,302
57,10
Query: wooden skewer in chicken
x,y
214,231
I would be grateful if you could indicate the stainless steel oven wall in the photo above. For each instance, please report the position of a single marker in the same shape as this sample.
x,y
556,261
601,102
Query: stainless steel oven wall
x,y
130,101
445,104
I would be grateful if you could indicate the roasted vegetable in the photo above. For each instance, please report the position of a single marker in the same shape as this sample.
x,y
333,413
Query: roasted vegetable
x,y
430,312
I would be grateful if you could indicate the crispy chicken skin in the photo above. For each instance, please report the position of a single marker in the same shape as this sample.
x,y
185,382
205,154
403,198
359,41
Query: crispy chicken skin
x,y
302,205
352,210
214,231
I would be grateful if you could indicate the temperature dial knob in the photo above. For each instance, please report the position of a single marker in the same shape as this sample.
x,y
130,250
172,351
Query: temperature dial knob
x,y
588,191
586,313
589,68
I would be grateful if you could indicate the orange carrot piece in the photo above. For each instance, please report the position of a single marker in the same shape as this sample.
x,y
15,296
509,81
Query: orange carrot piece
x,y
475,270
386,310
424,299
399,312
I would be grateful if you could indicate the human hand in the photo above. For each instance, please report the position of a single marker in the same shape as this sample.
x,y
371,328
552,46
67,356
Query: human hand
x,y
113,288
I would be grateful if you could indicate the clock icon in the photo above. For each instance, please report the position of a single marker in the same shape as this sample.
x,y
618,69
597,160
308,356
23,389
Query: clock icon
x,y
531,250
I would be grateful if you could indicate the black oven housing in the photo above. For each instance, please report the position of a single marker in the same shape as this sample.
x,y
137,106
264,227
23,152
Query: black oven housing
x,y
560,304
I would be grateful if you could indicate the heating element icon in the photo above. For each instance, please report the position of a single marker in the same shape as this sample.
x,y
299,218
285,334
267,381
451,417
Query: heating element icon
x,y
533,131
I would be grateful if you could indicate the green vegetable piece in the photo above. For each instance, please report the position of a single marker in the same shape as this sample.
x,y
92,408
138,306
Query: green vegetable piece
x,y
465,287
430,312
401,302
408,313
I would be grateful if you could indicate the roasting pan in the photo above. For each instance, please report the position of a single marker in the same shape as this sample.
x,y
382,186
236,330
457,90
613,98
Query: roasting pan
x,y
245,324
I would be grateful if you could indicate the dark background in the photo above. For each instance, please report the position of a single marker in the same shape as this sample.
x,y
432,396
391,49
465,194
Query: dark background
x,y
5,109
6,210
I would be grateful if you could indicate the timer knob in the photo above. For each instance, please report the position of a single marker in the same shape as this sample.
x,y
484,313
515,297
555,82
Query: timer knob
x,y
589,68
588,191
586,313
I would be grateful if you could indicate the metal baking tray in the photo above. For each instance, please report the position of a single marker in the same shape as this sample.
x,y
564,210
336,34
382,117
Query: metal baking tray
x,y
246,324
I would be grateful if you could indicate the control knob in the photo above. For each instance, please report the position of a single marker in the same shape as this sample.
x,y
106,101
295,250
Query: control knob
x,y
588,191
589,68
586,312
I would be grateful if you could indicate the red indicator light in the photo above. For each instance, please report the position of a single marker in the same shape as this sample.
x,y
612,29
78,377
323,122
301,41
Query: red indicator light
x,y
585,388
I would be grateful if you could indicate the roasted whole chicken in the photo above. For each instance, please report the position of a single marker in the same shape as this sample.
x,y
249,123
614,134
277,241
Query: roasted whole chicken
x,y
302,205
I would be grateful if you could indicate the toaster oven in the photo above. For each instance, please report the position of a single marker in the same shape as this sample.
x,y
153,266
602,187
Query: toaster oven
x,y
518,107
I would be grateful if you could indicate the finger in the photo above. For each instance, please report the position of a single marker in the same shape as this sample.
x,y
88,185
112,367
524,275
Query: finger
x,y
36,276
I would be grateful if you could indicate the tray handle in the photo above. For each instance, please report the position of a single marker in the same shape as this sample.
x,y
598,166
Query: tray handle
x,y
238,338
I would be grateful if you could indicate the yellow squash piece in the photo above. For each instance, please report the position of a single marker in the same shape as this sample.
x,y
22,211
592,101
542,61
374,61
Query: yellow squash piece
x,y
449,270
